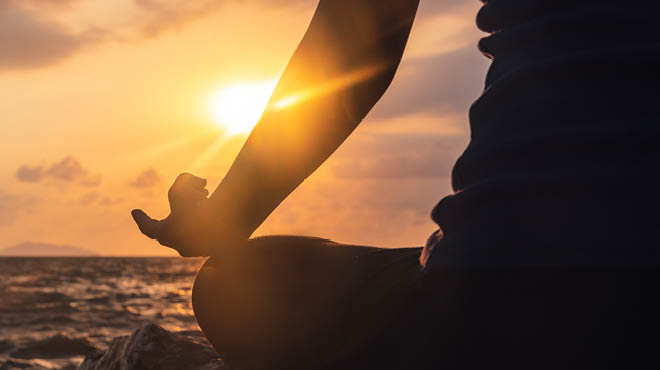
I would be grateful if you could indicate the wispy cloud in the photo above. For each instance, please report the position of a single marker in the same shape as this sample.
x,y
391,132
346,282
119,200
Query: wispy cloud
x,y
26,173
95,198
89,198
30,37
67,170
163,15
440,84
397,156
146,179
28,41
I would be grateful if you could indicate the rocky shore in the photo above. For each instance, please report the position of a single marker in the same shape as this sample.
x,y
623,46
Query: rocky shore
x,y
154,348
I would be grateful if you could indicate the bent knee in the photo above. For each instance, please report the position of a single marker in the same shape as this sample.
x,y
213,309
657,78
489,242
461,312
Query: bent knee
x,y
216,309
202,287
235,312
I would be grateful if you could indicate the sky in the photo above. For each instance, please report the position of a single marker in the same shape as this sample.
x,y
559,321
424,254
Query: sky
x,y
104,103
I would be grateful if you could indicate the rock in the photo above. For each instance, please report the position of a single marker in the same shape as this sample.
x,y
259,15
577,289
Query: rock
x,y
154,348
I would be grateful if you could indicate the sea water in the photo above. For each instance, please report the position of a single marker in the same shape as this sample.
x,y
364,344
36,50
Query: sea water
x,y
55,310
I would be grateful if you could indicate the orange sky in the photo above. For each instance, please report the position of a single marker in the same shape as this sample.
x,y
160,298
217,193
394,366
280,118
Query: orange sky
x,y
103,103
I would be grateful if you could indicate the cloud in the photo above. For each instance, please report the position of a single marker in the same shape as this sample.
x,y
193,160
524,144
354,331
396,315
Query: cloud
x,y
96,198
411,200
67,170
397,156
165,15
440,84
30,38
146,179
91,181
384,212
168,14
53,3
434,7
26,173
28,41
89,198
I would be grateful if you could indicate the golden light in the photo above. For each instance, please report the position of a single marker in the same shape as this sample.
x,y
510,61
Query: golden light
x,y
237,108
329,87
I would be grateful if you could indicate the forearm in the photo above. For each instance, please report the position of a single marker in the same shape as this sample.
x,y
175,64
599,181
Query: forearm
x,y
341,68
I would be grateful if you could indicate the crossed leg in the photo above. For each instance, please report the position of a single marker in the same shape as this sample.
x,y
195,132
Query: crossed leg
x,y
305,303
298,302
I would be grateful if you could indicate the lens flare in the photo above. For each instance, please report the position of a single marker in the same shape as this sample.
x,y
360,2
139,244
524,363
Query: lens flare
x,y
237,108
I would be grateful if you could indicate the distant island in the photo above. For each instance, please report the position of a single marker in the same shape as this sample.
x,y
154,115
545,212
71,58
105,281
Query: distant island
x,y
32,249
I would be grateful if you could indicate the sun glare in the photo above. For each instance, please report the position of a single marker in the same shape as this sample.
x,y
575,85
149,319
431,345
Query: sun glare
x,y
237,108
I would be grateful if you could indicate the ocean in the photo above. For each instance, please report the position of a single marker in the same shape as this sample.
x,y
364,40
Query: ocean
x,y
54,310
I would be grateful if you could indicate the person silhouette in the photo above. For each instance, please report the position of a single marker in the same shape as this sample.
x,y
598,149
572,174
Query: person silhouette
x,y
544,256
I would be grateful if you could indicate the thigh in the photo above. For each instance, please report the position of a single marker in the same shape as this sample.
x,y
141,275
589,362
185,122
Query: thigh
x,y
522,318
296,302
539,317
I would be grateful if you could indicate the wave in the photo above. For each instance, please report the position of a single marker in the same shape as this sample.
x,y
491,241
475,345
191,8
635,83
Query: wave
x,y
57,346
38,364
53,311
5,346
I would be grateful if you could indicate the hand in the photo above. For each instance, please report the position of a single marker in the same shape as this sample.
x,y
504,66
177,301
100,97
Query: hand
x,y
187,228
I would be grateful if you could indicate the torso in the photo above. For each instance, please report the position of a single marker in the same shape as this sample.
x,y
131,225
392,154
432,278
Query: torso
x,y
565,140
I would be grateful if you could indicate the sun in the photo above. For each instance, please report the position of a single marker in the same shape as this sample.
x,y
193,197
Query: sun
x,y
237,108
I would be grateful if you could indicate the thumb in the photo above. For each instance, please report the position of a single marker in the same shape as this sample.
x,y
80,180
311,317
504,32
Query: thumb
x,y
148,226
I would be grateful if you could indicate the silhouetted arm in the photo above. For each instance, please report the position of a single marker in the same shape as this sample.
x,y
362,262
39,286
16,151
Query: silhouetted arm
x,y
343,65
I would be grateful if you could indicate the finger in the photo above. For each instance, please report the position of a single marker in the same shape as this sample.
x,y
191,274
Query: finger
x,y
147,225
191,193
187,180
187,194
186,187
184,200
